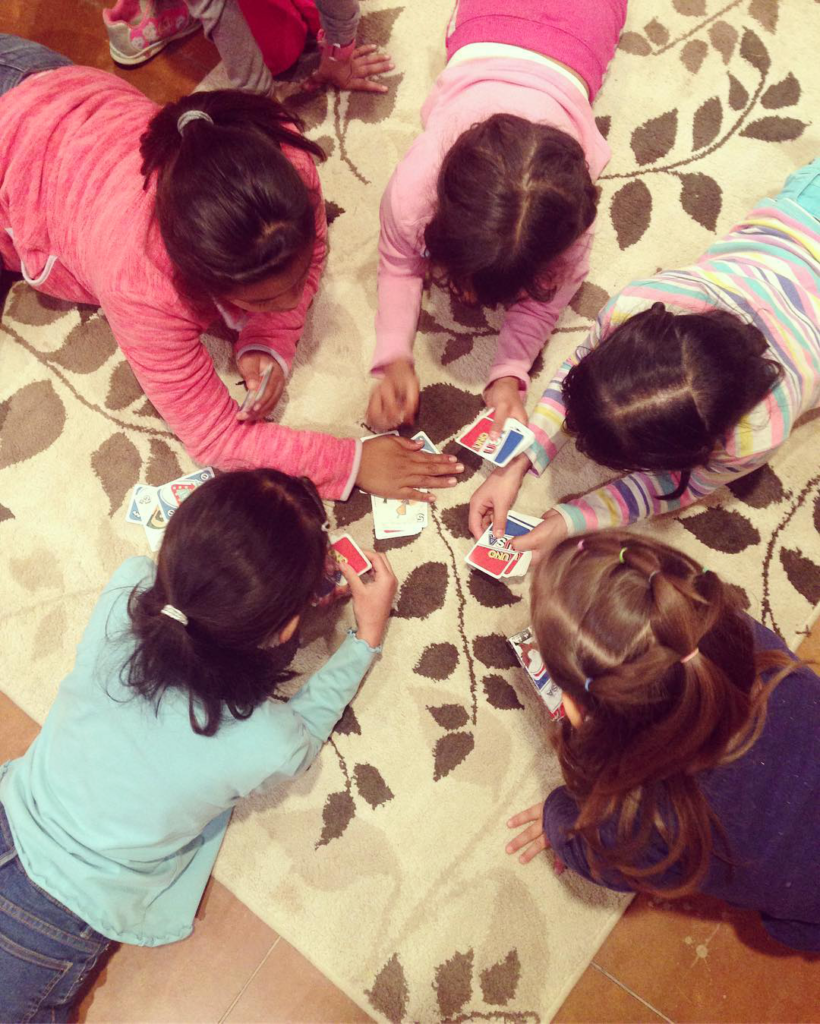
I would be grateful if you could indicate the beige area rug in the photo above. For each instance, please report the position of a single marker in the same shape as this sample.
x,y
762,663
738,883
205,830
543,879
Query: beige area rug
x,y
385,864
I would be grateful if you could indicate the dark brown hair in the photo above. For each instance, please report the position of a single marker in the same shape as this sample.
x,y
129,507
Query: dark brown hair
x,y
240,557
232,208
512,196
621,612
664,389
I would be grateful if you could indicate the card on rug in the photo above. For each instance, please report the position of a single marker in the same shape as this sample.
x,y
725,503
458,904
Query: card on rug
x,y
397,517
526,650
132,513
153,521
515,438
427,444
171,495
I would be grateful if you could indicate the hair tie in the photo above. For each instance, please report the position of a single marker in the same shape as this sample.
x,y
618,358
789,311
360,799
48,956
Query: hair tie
x,y
325,527
580,545
587,681
621,554
652,575
174,613
690,655
192,115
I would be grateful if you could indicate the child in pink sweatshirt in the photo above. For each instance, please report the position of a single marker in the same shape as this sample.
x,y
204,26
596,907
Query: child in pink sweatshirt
x,y
167,219
497,193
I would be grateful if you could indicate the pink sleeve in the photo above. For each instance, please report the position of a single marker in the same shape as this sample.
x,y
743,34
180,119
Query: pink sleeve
x,y
400,281
528,324
279,333
178,376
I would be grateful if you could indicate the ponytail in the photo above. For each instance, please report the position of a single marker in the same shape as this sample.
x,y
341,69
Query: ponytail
x,y
232,208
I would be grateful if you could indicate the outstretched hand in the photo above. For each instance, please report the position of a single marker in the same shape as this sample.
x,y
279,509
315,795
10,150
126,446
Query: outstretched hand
x,y
533,837
355,74
396,467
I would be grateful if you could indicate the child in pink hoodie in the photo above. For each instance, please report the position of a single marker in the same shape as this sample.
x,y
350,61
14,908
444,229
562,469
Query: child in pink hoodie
x,y
167,219
496,195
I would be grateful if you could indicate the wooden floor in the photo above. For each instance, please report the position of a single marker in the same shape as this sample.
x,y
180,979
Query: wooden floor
x,y
695,961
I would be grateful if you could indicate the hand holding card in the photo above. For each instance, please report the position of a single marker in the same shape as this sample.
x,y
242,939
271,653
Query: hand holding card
x,y
515,438
526,650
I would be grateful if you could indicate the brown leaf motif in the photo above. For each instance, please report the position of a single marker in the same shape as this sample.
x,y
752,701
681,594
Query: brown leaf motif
x,y
701,197
691,8
339,810
738,94
456,346
494,651
489,592
348,724
603,123
631,212
437,661
450,750
774,129
803,573
355,508
499,982
589,300
500,694
117,464
782,94
635,43
722,530
423,592
373,107
5,513
456,520
656,32
389,993
30,421
655,137
371,785
765,12
693,55
723,37
332,211
450,716
454,983
753,51
87,347
444,408
706,124
163,464
123,388
759,489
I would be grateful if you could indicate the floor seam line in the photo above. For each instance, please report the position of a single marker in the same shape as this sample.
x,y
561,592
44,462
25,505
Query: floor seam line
x,y
242,991
635,995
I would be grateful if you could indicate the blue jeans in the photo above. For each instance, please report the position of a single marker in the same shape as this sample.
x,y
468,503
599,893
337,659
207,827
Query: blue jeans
x,y
46,951
20,58
803,186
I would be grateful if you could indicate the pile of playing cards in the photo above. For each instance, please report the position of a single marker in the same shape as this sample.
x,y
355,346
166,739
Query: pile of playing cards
x,y
152,507
495,556
343,549
400,517
529,656
515,438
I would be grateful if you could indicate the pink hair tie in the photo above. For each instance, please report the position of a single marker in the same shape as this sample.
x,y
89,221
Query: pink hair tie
x,y
690,655
580,545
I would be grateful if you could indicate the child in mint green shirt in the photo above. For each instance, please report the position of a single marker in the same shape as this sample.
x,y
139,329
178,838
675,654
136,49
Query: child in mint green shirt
x,y
111,822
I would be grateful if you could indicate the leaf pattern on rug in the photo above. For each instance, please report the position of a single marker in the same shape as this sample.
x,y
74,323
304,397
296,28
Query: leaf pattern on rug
x,y
30,421
438,661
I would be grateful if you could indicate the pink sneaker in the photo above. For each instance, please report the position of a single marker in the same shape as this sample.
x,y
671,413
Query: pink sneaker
x,y
139,29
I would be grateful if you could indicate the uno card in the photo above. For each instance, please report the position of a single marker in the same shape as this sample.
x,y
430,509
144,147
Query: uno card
x,y
515,438
132,513
517,524
397,517
526,650
255,396
500,563
345,550
427,445
153,521
171,495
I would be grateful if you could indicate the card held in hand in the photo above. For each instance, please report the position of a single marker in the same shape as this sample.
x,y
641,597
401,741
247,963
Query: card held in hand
x,y
526,650
515,438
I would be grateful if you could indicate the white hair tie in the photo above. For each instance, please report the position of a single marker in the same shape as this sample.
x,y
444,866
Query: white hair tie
x,y
175,613
192,115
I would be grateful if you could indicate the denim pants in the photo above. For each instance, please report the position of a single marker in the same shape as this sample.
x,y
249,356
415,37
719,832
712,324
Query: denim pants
x,y
20,58
46,951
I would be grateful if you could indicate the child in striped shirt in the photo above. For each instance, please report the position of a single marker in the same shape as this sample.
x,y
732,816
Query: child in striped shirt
x,y
688,380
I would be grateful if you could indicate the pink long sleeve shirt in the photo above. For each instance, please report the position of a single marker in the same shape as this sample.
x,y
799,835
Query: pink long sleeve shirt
x,y
75,220
463,95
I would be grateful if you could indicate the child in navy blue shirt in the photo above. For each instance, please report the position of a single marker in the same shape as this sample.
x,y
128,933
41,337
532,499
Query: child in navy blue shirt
x,y
689,750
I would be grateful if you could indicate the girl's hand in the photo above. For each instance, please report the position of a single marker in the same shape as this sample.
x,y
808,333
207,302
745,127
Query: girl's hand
x,y
532,837
372,601
355,74
496,496
395,467
252,366
543,538
504,395
395,398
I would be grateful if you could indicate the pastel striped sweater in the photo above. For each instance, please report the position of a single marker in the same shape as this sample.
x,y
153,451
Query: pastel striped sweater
x,y
766,270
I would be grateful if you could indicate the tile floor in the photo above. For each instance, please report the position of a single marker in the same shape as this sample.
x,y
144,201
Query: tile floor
x,y
694,961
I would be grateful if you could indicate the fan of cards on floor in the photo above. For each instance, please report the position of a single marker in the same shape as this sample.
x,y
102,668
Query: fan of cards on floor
x,y
526,650
396,517
152,507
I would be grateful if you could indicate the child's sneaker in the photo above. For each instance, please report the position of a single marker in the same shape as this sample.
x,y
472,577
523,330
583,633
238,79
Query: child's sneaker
x,y
139,29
